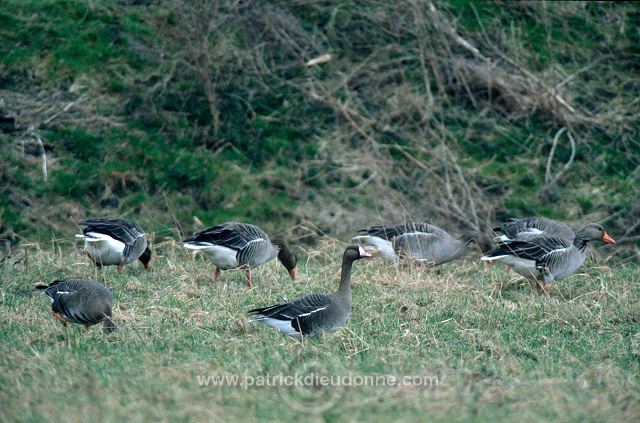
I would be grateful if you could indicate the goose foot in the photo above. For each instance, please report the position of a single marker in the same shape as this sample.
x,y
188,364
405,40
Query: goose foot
x,y
59,317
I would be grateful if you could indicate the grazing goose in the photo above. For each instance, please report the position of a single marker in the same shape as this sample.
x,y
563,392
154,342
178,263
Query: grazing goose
x,y
314,313
533,227
80,301
232,245
545,258
111,241
420,241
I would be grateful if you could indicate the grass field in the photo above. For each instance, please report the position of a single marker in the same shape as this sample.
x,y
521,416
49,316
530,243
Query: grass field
x,y
476,344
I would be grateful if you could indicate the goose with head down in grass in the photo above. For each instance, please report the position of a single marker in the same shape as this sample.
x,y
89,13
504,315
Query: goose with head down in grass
x,y
80,301
111,241
420,241
232,245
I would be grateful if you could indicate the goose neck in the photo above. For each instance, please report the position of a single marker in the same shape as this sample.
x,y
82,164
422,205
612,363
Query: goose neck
x,y
345,278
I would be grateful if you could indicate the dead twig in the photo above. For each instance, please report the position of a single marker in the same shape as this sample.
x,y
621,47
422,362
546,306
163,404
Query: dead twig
x,y
550,181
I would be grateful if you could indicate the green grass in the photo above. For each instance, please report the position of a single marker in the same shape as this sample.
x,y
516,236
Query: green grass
x,y
498,350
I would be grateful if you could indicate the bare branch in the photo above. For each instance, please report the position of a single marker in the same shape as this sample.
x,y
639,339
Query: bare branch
x,y
44,158
550,181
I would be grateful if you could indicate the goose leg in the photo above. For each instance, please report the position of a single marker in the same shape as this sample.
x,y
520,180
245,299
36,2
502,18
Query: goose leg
x,y
59,317
216,274
120,267
248,274
538,287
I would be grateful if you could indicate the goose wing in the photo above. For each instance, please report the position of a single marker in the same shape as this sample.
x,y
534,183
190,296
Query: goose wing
x,y
297,316
123,230
231,235
80,301
541,250
532,227
416,244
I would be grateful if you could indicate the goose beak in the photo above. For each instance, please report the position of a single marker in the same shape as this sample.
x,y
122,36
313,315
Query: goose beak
x,y
606,238
363,253
292,273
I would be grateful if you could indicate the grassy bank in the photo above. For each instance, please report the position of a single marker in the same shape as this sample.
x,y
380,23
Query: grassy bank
x,y
478,344
461,112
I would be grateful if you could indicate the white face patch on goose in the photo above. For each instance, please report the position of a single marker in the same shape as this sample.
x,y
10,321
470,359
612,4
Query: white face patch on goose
x,y
362,252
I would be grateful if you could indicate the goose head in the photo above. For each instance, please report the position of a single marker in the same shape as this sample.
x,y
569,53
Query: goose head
x,y
355,252
478,238
145,257
286,257
595,232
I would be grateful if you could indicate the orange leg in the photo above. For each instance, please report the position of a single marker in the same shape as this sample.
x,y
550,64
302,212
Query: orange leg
x,y
120,267
248,274
59,317
216,274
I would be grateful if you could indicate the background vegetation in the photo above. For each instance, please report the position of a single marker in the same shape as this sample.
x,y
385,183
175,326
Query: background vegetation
x,y
313,119
463,113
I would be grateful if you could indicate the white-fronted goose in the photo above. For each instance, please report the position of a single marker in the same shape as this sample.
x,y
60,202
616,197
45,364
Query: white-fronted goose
x,y
112,241
545,259
420,241
314,313
232,245
533,227
80,301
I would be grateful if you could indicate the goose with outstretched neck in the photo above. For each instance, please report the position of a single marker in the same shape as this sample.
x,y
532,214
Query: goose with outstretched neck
x,y
545,259
315,313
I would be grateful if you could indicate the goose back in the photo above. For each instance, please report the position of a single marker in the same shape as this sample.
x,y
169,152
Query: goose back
x,y
534,227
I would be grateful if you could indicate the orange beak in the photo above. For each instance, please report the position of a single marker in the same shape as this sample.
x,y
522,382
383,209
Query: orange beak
x,y
606,238
292,273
